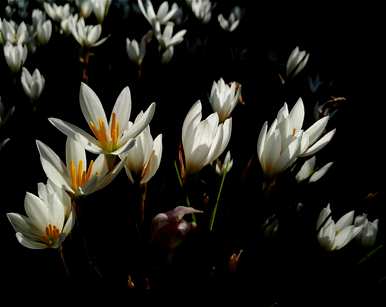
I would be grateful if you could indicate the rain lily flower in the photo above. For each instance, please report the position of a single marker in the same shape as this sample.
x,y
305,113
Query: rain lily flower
x,y
232,22
85,8
86,36
224,167
15,56
167,40
112,138
67,23
13,34
38,17
170,228
296,62
202,9
57,12
334,236
307,171
100,9
43,32
203,141
163,14
369,231
76,177
135,51
224,98
33,85
143,160
48,222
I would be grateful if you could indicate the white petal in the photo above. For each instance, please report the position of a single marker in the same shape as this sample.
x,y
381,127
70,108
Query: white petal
x,y
321,172
141,124
26,242
316,130
91,106
319,144
75,152
306,170
297,115
19,223
122,109
37,211
261,141
345,220
69,223
344,237
323,215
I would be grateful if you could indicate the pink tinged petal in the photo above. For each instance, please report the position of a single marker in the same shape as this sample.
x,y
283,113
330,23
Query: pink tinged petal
x,y
319,144
344,237
297,115
321,172
345,220
122,109
306,170
315,131
179,212
91,106
261,141
75,152
26,242
37,211
72,131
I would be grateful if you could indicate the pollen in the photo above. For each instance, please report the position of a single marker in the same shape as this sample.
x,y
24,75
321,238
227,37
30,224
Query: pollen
x,y
108,140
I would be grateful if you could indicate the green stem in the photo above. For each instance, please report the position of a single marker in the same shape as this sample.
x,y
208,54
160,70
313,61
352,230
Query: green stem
x,y
182,187
370,254
213,216
64,261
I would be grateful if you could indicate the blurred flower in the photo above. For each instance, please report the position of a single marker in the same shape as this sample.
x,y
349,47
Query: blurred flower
x,y
13,34
47,223
135,51
85,8
296,62
67,23
233,261
57,12
113,138
334,236
169,228
100,9
32,85
38,17
369,231
5,114
224,98
224,167
163,14
203,141
76,177
232,22
142,161
15,56
86,36
307,171
44,31
167,40
202,9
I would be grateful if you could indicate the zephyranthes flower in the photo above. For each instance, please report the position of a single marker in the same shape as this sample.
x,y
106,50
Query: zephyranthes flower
x,y
142,161
369,231
163,13
86,36
232,22
334,236
203,141
100,9
15,56
13,34
307,171
76,176
49,219
296,62
57,12
33,85
114,137
44,31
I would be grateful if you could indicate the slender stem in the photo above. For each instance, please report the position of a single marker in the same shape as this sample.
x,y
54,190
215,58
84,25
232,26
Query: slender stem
x,y
370,254
182,186
142,201
213,216
64,261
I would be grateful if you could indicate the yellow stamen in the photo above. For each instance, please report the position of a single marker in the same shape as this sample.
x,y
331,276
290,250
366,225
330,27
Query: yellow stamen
x,y
80,171
89,171
74,183
52,234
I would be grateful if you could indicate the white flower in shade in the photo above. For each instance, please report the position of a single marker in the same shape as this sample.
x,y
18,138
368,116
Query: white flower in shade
x,y
15,56
14,34
368,234
67,24
38,17
307,171
57,12
224,167
224,98
85,8
135,51
296,62
76,176
33,85
143,160
49,220
334,236
163,14
203,141
86,36
43,32
114,137
202,9
167,40
100,9
232,22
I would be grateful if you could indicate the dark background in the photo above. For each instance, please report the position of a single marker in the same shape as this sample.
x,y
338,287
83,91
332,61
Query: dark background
x,y
344,43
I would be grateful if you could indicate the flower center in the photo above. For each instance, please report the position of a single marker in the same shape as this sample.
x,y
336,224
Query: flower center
x,y
106,141
78,175
52,235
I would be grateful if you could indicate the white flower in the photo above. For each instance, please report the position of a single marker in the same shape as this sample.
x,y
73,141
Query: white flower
x,y
86,36
57,12
203,141
369,231
16,35
167,40
143,160
224,98
49,219
76,177
33,85
202,9
163,14
38,17
67,23
43,32
224,167
135,51
100,9
115,137
334,236
15,56
85,8
232,22
296,62
307,171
